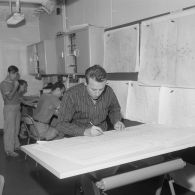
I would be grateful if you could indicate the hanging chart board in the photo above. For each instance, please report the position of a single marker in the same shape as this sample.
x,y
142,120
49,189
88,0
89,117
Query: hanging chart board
x,y
121,49
167,54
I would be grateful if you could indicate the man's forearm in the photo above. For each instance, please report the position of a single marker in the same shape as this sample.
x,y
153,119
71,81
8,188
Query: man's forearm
x,y
70,129
28,103
115,116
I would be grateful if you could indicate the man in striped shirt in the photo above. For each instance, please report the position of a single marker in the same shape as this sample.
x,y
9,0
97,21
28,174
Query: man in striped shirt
x,y
85,107
84,110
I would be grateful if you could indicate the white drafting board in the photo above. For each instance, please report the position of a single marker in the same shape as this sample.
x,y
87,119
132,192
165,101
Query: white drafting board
x,y
121,47
73,156
177,107
167,51
142,103
115,143
120,89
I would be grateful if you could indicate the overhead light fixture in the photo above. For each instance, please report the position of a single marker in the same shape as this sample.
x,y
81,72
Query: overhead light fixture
x,y
16,17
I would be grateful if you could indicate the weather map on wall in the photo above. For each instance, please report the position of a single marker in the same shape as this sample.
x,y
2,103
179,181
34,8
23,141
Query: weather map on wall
x,y
167,54
121,49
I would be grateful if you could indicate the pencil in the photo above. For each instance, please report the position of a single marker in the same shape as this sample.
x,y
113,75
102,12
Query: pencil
x,y
91,123
95,125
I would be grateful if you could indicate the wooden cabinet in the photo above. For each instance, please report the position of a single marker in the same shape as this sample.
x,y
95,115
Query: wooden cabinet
x,y
42,57
84,48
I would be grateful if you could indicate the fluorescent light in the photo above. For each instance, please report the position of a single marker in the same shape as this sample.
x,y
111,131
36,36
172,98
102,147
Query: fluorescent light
x,y
15,18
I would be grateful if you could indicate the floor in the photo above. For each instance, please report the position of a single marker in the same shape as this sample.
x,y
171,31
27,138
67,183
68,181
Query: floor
x,y
22,177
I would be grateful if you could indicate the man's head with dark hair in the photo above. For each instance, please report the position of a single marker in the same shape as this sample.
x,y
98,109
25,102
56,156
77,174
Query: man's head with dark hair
x,y
49,86
22,88
13,72
56,85
58,89
22,82
96,78
12,69
95,72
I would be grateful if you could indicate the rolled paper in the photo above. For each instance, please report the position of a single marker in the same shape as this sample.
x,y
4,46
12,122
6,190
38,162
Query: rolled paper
x,y
140,174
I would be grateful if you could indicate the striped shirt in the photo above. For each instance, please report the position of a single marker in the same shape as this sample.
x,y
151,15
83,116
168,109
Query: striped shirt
x,y
77,110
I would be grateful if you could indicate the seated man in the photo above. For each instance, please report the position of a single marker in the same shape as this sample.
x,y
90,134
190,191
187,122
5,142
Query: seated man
x,y
83,112
48,106
26,100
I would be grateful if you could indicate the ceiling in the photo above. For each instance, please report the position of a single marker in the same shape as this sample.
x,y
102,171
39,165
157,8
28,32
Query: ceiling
x,y
30,8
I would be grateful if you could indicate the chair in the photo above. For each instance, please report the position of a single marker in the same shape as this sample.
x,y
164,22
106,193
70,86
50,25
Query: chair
x,y
2,181
29,125
32,132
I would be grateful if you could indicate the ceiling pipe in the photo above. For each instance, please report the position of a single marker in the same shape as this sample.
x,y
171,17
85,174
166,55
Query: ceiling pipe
x,y
25,1
10,6
18,6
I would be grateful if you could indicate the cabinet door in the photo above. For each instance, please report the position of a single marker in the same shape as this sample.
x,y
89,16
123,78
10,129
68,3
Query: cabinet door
x,y
60,42
82,50
32,58
47,57
41,57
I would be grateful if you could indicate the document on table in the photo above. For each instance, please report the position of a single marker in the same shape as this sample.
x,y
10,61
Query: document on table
x,y
115,144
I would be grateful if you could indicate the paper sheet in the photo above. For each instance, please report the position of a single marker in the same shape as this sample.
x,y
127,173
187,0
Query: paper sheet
x,y
142,103
177,107
120,89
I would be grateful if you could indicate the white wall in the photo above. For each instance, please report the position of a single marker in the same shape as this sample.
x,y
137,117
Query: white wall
x,y
49,25
96,12
110,13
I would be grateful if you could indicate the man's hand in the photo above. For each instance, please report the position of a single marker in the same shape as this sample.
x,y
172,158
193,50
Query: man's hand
x,y
16,84
93,131
119,126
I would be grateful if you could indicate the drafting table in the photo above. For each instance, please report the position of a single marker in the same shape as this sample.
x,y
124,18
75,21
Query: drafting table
x,y
79,155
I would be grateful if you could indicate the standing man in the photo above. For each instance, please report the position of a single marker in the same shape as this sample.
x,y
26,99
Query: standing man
x,y
11,111
84,110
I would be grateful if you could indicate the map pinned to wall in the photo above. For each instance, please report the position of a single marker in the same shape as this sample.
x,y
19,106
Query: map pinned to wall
x,y
158,53
186,52
121,47
167,54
